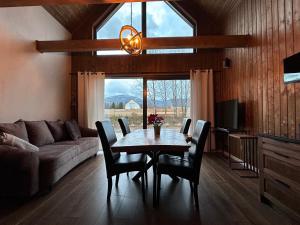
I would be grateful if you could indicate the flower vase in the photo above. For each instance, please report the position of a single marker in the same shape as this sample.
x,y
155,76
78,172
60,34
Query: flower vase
x,y
157,130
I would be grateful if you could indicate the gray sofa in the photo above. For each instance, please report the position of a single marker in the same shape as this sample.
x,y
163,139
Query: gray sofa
x,y
23,172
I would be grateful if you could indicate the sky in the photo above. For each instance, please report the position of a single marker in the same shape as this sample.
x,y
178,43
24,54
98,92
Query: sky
x,y
131,87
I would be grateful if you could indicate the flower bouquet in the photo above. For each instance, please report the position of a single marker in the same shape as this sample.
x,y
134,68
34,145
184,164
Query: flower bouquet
x,y
157,122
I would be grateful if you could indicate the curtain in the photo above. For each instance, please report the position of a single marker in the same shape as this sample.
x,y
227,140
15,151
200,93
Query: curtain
x,y
202,100
90,98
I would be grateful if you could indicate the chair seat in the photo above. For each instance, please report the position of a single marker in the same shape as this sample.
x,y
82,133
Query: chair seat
x,y
175,165
130,162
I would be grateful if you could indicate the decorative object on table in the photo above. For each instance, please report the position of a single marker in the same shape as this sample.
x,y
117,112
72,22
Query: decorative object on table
x,y
157,122
131,39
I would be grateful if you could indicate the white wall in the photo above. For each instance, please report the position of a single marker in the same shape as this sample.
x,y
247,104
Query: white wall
x,y
33,86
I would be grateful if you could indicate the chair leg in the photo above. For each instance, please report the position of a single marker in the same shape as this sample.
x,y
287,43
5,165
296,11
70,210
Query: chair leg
x,y
109,187
191,186
143,186
117,180
146,176
158,188
196,195
174,178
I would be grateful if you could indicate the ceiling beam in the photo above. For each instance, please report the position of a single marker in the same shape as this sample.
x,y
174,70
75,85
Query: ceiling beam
x,y
19,3
201,42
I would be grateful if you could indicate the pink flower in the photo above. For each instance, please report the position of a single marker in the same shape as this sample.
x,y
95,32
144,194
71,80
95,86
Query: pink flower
x,y
155,119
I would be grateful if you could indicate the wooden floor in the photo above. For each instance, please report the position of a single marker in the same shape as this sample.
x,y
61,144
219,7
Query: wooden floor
x,y
80,198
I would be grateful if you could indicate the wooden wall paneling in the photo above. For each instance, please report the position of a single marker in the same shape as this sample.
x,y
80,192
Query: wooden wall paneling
x,y
151,64
290,50
264,66
271,106
259,66
282,54
276,63
255,62
270,71
296,22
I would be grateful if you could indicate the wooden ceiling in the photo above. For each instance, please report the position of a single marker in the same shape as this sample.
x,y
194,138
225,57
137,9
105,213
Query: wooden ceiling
x,y
218,8
72,16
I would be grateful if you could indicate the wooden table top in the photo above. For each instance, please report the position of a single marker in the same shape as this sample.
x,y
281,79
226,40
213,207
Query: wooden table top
x,y
144,140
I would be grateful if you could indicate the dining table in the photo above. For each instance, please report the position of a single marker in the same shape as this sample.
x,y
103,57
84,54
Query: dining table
x,y
145,141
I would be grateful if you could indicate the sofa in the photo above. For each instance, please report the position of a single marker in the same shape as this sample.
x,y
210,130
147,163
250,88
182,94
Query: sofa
x,y
62,145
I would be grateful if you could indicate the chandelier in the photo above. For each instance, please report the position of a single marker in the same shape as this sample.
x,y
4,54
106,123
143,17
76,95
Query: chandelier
x,y
131,39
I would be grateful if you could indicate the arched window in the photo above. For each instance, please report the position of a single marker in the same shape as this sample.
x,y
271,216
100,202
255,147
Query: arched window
x,y
162,20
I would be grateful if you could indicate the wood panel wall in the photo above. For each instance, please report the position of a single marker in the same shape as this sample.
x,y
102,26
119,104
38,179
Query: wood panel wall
x,y
256,75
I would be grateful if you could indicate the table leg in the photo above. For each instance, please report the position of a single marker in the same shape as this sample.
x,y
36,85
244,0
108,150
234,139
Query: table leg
x,y
139,174
154,177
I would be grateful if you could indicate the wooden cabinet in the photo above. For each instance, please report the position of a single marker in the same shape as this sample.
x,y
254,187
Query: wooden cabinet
x,y
280,173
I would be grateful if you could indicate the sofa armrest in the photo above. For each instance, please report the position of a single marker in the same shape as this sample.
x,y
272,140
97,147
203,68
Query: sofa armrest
x,y
19,172
87,132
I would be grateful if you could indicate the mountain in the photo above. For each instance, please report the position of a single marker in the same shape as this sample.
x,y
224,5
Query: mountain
x,y
117,99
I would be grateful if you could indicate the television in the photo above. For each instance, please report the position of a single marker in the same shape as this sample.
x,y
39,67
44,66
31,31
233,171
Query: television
x,y
227,115
292,69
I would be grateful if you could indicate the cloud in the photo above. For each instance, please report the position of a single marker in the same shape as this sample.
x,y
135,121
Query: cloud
x,y
123,87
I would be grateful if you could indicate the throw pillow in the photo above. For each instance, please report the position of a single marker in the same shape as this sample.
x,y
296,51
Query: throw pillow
x,y
17,129
73,129
58,130
39,133
11,140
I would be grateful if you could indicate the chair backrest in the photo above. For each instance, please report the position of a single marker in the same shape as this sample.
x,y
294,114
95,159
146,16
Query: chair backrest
x,y
108,138
185,125
197,145
124,124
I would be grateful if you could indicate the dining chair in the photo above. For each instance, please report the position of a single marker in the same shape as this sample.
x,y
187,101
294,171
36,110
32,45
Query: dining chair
x,y
124,124
188,167
185,125
117,163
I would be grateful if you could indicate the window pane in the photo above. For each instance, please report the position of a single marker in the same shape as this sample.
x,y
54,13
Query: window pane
x,y
169,99
164,21
124,98
111,29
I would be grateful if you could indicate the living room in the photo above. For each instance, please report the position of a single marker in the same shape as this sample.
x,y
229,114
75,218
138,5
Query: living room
x,y
149,112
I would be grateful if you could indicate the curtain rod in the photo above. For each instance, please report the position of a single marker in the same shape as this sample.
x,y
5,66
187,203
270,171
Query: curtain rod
x,y
94,73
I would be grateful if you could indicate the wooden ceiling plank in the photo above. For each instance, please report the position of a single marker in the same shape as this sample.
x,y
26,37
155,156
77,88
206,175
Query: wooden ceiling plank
x,y
20,3
201,42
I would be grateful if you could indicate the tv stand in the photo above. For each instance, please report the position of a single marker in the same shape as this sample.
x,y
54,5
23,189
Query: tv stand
x,y
222,137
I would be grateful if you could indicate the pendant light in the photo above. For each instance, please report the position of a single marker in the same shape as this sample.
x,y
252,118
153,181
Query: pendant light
x,y
132,43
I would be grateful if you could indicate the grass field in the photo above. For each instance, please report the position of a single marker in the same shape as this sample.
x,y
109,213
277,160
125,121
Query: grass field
x,y
172,119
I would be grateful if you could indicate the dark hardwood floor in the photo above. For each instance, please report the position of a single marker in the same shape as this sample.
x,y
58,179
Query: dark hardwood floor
x,y
80,198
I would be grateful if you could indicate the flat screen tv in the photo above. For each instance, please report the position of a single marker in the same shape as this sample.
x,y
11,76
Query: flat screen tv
x,y
292,69
227,114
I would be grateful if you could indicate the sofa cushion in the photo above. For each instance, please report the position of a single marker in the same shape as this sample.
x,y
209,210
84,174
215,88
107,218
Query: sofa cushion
x,y
84,144
39,133
11,140
54,156
73,129
17,129
58,130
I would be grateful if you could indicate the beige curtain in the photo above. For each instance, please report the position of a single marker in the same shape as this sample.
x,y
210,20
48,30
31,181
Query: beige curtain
x,y
90,98
202,100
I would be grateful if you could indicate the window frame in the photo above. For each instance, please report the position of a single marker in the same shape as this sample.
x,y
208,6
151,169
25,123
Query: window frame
x,y
187,18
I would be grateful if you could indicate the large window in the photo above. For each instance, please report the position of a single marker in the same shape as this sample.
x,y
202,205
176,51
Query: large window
x,y
168,98
162,20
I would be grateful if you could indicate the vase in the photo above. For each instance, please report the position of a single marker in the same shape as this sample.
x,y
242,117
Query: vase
x,y
157,130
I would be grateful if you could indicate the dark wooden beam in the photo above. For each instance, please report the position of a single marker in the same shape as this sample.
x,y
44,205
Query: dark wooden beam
x,y
19,3
201,42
